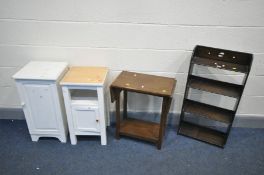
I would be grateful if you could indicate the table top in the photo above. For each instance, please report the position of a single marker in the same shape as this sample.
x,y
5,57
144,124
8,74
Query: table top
x,y
41,70
144,83
92,76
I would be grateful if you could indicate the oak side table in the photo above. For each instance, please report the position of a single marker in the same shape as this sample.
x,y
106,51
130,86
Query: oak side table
x,y
84,92
145,84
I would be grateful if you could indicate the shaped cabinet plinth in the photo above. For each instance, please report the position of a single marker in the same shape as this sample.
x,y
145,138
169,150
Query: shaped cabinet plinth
x,y
41,99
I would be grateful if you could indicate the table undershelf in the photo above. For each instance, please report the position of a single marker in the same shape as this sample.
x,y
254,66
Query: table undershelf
x,y
140,129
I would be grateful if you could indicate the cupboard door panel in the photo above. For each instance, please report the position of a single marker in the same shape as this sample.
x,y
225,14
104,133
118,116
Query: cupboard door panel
x,y
85,118
41,106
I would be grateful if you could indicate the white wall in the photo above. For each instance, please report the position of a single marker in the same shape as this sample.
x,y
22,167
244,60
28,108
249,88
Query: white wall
x,y
151,36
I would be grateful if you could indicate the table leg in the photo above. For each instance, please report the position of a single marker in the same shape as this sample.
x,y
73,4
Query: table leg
x,y
163,119
125,105
167,113
117,96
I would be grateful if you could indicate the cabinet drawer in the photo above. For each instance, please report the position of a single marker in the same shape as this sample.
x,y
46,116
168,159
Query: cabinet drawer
x,y
86,118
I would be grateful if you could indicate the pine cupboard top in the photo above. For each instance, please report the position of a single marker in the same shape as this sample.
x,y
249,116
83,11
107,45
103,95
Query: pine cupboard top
x,y
144,83
92,76
41,70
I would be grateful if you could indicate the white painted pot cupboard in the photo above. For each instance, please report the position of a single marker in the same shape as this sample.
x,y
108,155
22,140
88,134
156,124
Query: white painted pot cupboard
x,y
84,92
41,99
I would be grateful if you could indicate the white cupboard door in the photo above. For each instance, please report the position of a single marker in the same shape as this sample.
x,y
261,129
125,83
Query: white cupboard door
x,y
41,107
85,118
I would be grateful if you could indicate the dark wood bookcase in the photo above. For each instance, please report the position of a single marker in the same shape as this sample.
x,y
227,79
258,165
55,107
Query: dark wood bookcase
x,y
219,59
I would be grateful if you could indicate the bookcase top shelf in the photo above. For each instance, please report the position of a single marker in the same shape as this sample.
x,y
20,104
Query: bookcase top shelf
x,y
220,64
222,59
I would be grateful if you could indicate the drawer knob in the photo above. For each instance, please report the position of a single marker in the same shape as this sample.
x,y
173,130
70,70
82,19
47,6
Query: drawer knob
x,y
97,120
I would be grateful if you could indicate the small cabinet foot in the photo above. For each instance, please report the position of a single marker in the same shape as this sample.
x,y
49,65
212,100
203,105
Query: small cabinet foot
x,y
73,139
103,140
34,138
159,145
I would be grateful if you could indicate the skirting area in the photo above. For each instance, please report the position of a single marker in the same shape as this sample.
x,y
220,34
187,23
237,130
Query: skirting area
x,y
173,119
179,155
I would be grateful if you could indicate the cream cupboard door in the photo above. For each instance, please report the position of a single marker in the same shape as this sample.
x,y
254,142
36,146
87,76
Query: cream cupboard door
x,y
40,107
86,118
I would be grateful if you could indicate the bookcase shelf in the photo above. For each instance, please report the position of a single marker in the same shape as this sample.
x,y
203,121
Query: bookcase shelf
x,y
217,87
219,59
208,111
202,133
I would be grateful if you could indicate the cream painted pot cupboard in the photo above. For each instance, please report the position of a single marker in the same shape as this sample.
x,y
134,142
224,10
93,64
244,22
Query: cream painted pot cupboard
x,y
85,98
42,100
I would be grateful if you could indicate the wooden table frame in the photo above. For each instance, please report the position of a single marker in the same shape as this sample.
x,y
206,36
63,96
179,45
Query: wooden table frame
x,y
138,133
